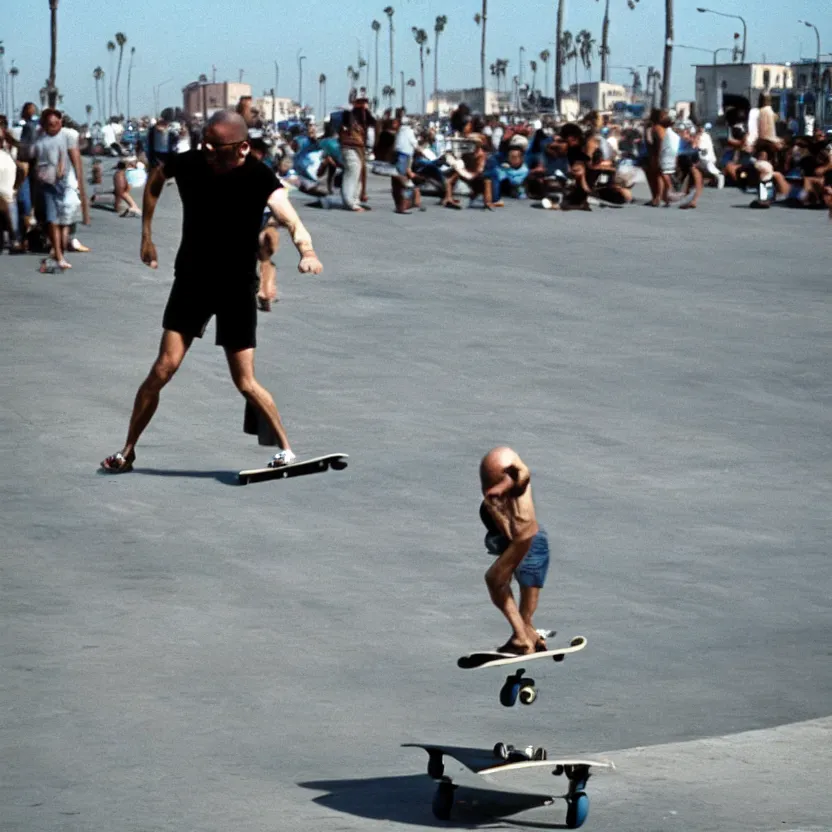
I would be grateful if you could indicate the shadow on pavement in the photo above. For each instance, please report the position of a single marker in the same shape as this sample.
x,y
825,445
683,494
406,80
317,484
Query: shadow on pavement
x,y
407,799
225,477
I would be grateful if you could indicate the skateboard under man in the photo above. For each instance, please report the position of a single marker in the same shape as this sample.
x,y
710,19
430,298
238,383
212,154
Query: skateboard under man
x,y
470,779
299,468
516,686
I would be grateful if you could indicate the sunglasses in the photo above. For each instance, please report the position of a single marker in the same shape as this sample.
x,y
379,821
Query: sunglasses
x,y
212,148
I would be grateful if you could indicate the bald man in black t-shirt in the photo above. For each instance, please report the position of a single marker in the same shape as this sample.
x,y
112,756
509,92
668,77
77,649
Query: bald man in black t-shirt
x,y
224,192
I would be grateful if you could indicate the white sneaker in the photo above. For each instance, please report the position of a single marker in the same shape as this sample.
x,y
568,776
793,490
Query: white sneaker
x,y
282,458
720,182
546,203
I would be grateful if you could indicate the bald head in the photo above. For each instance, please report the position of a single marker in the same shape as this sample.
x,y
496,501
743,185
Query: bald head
x,y
229,125
494,465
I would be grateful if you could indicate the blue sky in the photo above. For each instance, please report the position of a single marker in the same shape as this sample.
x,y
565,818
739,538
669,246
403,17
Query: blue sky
x,y
176,40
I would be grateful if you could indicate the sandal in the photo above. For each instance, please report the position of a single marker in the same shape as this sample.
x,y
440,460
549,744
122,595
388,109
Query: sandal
x,y
118,463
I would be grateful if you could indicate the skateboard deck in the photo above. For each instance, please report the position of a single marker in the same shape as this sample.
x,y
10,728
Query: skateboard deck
x,y
469,778
493,658
301,467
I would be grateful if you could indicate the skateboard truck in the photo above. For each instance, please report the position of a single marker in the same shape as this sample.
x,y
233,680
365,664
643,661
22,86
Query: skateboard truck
x,y
516,687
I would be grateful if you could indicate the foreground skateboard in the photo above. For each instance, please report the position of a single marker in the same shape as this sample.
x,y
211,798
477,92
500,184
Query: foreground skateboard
x,y
301,467
471,779
516,686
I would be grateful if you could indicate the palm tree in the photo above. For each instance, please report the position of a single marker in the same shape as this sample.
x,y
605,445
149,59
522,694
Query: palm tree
x,y
496,74
111,48
502,67
121,39
3,91
586,46
544,56
203,82
350,72
376,27
52,90
481,19
129,78
421,38
605,37
100,94
560,61
438,28
388,92
88,109
533,67
389,12
411,82
668,52
13,73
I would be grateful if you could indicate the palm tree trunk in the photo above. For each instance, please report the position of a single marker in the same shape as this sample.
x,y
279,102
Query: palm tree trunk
x,y
375,94
436,74
422,67
605,41
391,52
53,52
668,53
118,73
482,56
559,57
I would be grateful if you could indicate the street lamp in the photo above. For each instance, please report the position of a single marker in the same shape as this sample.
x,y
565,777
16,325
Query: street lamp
x,y
156,95
736,17
520,76
712,52
301,59
817,36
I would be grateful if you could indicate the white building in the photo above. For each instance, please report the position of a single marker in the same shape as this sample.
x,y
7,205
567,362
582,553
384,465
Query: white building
x,y
718,85
449,100
599,95
274,109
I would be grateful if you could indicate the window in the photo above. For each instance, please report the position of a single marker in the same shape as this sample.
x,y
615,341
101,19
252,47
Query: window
x,y
766,78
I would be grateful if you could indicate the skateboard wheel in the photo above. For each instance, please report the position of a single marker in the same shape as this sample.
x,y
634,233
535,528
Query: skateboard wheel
x,y
435,768
508,694
577,810
500,751
559,658
443,801
540,754
527,695
577,641
338,464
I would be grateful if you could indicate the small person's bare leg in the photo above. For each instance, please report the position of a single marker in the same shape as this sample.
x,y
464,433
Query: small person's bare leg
x,y
267,293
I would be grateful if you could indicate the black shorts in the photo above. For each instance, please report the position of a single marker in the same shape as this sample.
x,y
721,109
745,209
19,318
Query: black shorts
x,y
191,306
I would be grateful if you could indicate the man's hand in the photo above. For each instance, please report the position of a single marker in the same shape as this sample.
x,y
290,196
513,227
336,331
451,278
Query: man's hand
x,y
309,263
148,253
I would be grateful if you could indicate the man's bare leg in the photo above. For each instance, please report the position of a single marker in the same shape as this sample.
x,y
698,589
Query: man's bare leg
x,y
529,596
267,293
498,579
172,350
241,365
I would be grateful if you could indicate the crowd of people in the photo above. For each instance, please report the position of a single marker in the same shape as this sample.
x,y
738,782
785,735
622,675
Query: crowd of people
x,y
44,192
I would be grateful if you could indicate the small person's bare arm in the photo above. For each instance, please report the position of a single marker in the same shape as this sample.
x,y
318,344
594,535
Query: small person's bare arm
x,y
152,192
285,214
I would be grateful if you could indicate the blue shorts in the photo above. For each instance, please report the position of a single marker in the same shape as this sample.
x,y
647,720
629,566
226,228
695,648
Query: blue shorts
x,y
49,195
532,570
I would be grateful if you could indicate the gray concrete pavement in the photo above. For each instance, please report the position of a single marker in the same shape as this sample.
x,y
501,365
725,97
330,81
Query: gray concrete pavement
x,y
180,653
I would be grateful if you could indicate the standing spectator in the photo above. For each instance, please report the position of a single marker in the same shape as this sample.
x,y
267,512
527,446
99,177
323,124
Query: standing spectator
x,y
51,161
352,151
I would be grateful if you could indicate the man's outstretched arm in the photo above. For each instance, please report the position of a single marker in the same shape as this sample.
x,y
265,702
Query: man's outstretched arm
x,y
284,212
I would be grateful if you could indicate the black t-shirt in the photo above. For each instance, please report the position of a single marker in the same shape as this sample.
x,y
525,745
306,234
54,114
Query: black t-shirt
x,y
222,217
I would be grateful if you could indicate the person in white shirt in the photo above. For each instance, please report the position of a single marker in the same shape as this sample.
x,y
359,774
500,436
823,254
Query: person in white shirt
x,y
405,194
707,155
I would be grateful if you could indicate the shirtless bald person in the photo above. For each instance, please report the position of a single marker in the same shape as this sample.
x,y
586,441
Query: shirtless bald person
x,y
224,191
513,534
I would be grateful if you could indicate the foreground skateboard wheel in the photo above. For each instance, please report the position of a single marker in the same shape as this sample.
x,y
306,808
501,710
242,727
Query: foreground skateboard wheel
x,y
577,810
443,801
527,695
540,754
501,751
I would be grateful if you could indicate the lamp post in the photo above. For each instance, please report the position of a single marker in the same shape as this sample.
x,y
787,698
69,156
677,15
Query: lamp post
x,y
301,59
156,95
736,17
817,59
712,52
520,71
